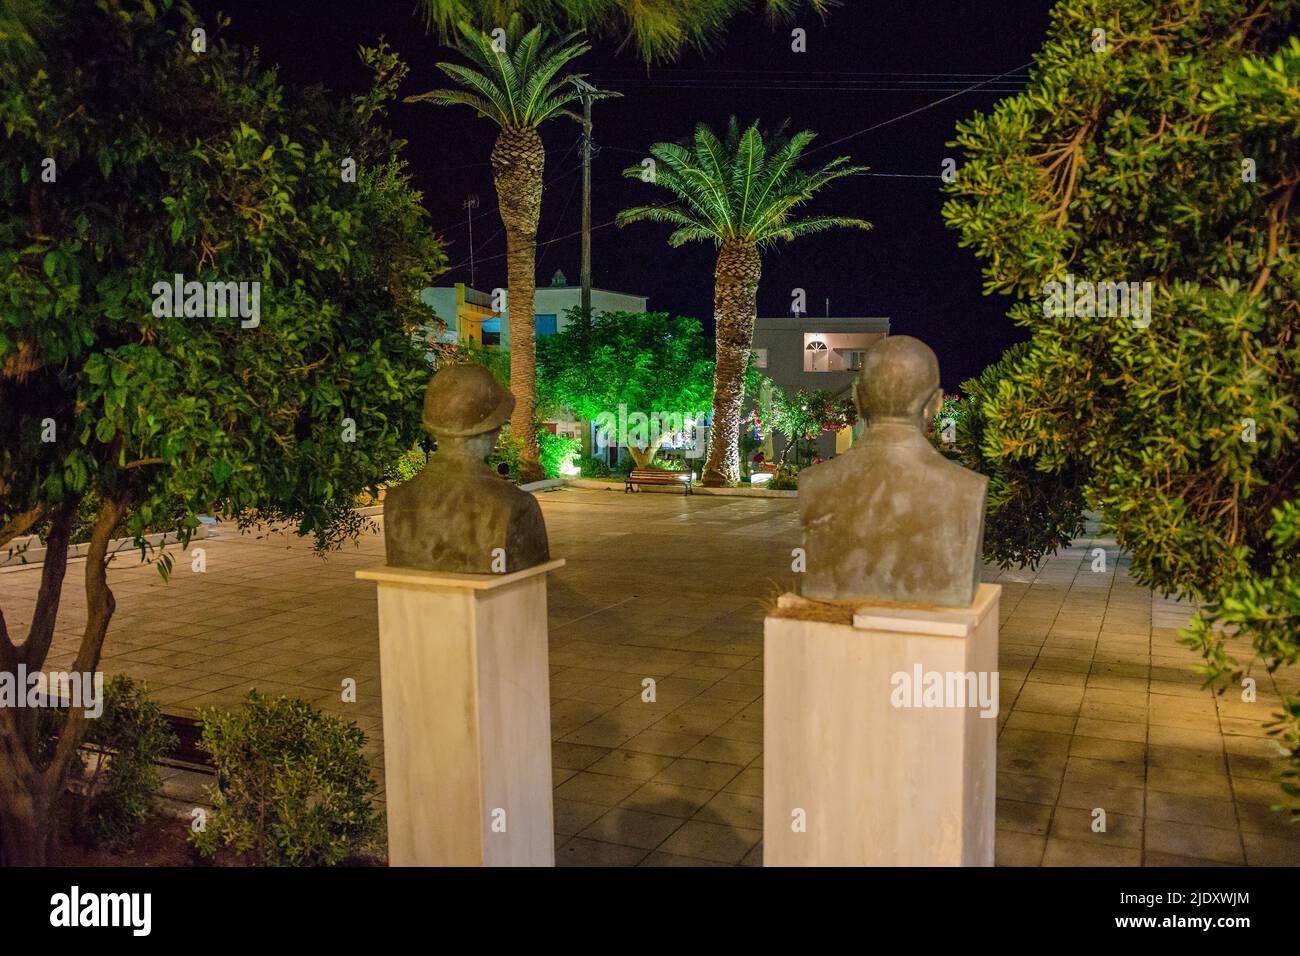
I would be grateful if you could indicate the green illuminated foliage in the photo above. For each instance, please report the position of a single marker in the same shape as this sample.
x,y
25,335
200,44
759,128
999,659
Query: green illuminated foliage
x,y
129,157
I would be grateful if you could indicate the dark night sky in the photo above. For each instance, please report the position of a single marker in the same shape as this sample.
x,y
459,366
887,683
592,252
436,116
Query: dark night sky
x,y
866,64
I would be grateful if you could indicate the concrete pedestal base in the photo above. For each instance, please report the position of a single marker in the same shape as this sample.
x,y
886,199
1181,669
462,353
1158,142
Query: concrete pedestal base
x,y
875,750
467,722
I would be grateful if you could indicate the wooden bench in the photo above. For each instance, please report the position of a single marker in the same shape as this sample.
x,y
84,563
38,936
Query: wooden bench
x,y
188,730
658,476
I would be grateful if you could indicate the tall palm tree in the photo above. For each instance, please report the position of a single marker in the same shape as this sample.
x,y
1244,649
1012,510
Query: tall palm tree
x,y
517,81
741,194
659,29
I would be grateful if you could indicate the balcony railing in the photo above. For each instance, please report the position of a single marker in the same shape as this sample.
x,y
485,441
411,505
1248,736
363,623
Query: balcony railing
x,y
475,297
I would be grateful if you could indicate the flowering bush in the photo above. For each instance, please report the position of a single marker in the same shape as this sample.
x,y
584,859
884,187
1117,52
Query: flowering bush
x,y
785,479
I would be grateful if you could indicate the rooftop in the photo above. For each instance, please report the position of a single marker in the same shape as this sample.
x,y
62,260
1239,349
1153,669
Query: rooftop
x,y
818,323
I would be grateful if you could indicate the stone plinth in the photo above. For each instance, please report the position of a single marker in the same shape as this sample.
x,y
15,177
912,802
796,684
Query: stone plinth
x,y
875,783
467,723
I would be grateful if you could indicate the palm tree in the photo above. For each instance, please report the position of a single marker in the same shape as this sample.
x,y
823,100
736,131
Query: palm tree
x,y
660,30
740,194
516,80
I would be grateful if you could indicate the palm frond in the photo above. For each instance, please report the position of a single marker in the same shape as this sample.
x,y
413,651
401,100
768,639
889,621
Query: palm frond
x,y
541,84
477,82
523,81
660,30
669,214
713,160
806,227
751,155
481,106
744,186
679,237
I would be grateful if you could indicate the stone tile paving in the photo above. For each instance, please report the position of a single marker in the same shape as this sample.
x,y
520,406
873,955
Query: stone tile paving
x,y
1099,705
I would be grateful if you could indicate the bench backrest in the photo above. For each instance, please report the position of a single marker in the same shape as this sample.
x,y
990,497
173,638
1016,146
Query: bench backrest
x,y
648,473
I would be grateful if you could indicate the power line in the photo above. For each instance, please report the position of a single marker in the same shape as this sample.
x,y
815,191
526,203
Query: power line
x,y
501,229
838,89
834,142
797,73
919,109
558,221
491,209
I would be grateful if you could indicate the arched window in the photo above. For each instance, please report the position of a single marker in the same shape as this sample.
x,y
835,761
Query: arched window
x,y
815,351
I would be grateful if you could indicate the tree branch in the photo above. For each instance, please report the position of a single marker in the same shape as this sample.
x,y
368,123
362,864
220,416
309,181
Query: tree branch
x,y
20,524
1276,213
141,463
8,650
99,611
41,633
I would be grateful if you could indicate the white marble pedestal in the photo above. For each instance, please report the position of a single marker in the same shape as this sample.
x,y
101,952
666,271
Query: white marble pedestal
x,y
872,783
467,717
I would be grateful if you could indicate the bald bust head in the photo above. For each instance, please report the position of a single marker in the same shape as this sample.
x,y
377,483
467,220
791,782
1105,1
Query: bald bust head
x,y
892,519
899,381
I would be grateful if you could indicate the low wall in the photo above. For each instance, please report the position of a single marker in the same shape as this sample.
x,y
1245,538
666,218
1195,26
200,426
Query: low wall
x,y
740,491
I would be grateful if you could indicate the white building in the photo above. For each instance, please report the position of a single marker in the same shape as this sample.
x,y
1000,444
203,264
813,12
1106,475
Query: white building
x,y
475,316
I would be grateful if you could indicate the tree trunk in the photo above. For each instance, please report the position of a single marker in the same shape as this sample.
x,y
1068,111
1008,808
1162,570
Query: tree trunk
x,y
31,782
518,161
735,308
28,810
643,458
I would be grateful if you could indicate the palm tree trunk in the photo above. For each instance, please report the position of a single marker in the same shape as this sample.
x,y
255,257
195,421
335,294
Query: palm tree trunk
x,y
735,308
518,161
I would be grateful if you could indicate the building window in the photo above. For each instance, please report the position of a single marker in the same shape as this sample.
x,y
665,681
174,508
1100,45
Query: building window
x,y
760,358
491,331
545,325
853,359
816,357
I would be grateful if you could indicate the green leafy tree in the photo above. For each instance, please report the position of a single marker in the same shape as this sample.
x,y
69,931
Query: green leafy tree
x,y
646,361
1165,149
518,81
740,193
1031,513
131,157
660,29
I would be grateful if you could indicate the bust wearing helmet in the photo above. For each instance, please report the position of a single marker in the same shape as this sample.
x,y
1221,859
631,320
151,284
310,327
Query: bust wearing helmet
x,y
456,513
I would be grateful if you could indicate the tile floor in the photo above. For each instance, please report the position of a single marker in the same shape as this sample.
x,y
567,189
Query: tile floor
x,y
1099,705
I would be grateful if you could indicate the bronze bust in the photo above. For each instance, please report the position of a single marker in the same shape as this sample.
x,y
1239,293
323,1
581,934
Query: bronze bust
x,y
457,514
892,519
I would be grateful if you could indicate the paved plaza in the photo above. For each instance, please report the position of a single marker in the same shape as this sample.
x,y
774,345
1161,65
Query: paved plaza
x,y
1100,707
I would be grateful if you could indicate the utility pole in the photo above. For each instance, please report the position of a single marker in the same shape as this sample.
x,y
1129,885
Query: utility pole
x,y
470,204
586,90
